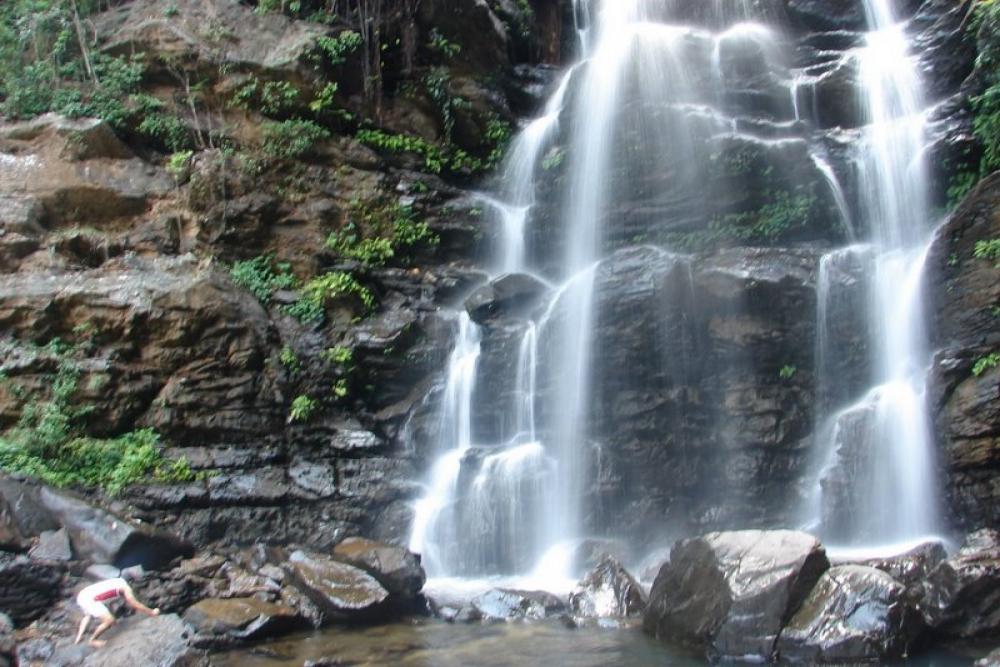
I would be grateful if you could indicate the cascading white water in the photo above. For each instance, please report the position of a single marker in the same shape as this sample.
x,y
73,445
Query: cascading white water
x,y
654,97
891,495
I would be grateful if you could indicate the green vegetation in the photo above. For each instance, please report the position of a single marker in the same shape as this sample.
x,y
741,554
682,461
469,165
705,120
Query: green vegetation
x,y
338,48
787,372
442,45
378,232
273,98
339,355
49,441
986,363
262,277
290,139
178,163
290,360
988,249
553,158
303,408
783,212
315,294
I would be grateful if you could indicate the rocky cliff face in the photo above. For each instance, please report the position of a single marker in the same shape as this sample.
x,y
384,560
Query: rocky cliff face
x,y
103,247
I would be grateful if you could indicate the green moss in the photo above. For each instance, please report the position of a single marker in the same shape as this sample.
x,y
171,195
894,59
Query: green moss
x,y
303,408
315,294
290,139
378,231
986,363
262,277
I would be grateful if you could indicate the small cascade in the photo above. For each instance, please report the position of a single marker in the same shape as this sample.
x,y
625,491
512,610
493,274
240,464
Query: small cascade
x,y
877,481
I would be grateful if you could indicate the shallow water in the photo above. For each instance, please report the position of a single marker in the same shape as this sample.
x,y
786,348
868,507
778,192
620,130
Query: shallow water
x,y
432,643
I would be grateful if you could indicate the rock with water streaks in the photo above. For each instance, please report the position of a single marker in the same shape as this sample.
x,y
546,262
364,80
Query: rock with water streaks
x,y
398,569
854,613
501,604
732,592
342,591
608,591
962,595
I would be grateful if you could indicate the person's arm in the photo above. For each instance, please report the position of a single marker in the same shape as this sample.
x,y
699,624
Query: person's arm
x,y
131,600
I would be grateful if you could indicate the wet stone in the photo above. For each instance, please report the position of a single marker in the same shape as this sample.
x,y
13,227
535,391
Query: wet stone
x,y
52,545
342,591
608,591
508,605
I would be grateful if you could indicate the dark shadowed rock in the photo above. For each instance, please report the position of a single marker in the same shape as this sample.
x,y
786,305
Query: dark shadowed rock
x,y
828,14
500,604
10,535
508,295
962,594
101,536
990,660
52,545
962,291
342,591
28,587
608,591
161,641
732,592
854,613
7,643
224,622
396,568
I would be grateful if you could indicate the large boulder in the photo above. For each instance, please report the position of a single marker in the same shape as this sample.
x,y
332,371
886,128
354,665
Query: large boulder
x,y
854,613
510,294
224,622
962,594
732,592
160,641
608,591
396,568
909,568
343,592
101,536
28,587
502,604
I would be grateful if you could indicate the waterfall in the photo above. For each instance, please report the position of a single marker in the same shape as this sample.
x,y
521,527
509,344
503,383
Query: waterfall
x,y
878,484
683,120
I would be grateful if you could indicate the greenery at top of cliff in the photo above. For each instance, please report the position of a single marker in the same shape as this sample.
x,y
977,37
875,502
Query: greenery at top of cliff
x,y
49,441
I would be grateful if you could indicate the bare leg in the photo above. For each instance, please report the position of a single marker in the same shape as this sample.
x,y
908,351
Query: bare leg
x,y
106,623
84,622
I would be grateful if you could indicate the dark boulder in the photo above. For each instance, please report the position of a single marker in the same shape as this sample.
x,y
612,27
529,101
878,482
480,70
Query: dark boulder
x,y
225,622
962,595
161,641
342,591
101,536
854,613
501,604
608,591
396,568
28,587
509,295
52,545
10,535
732,592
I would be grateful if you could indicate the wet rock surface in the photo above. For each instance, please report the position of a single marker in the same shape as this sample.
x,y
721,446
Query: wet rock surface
x,y
501,604
341,591
731,593
28,587
962,594
854,613
963,290
223,622
608,591
396,568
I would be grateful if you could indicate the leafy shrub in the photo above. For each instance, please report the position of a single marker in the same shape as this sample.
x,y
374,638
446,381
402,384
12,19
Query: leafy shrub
x,y
404,143
314,295
338,48
262,277
273,98
303,408
290,360
987,249
339,355
48,442
986,363
378,232
291,139
442,45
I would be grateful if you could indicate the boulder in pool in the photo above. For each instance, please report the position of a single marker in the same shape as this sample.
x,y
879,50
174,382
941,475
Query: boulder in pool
x,y
503,604
962,594
608,591
343,592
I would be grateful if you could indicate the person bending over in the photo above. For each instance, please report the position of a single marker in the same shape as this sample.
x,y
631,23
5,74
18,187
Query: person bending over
x,y
92,600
